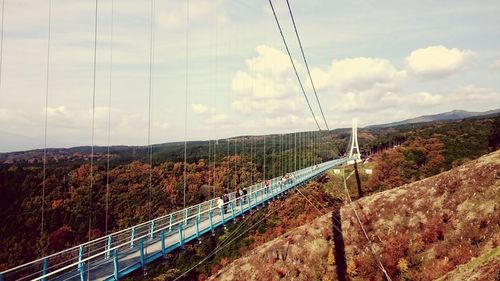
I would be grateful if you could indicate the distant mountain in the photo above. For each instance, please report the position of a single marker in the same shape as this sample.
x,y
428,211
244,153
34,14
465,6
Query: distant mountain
x,y
452,115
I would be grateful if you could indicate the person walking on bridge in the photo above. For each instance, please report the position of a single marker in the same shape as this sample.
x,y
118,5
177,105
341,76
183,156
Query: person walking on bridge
x,y
220,204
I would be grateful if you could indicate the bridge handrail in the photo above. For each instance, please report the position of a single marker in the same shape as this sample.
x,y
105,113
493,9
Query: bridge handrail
x,y
127,243
273,182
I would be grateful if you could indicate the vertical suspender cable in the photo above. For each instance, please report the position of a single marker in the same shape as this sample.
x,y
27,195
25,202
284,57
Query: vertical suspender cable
x,y
264,166
186,103
295,151
1,39
243,166
235,170
47,76
93,127
216,86
109,111
273,156
150,99
281,154
251,160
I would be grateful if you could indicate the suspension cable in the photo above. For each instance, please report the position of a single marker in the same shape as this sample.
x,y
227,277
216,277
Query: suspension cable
x,y
370,247
216,84
47,79
150,99
293,65
305,62
186,103
273,156
1,39
295,151
109,111
93,128
264,167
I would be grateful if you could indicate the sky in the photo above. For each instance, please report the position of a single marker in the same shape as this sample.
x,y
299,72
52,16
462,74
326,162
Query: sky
x,y
376,61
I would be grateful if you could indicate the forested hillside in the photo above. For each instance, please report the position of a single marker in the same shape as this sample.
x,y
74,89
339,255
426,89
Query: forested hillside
x,y
424,150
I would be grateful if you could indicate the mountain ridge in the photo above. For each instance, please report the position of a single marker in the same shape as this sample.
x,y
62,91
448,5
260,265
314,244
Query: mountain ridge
x,y
456,114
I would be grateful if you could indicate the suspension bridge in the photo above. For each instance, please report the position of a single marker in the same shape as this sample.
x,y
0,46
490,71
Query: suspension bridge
x,y
120,253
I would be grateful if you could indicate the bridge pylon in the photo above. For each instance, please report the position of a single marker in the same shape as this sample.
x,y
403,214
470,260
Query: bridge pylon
x,y
354,146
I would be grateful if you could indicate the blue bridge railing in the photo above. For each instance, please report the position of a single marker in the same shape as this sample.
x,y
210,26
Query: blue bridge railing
x,y
115,255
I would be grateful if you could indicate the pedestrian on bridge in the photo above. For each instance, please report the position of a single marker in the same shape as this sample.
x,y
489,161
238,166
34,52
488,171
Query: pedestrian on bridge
x,y
220,204
225,200
245,192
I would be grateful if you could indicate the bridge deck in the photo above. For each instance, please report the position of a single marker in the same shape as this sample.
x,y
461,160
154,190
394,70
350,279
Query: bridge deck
x,y
134,248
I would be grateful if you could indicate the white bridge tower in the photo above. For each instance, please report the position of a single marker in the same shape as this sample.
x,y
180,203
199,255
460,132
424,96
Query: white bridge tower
x,y
354,151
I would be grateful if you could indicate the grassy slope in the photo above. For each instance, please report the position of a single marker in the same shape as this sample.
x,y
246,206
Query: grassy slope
x,y
289,256
434,225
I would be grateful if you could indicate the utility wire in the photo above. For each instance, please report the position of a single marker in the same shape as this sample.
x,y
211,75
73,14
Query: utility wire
x,y
307,65
293,64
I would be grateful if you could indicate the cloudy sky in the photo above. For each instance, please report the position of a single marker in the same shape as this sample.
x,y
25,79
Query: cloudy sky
x,y
378,61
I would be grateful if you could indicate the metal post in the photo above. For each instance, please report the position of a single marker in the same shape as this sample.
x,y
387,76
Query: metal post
x,y
45,265
222,214
170,223
232,209
115,264
81,265
249,198
196,221
132,237
210,218
241,205
108,252
151,230
199,211
181,240
141,243
163,250
186,216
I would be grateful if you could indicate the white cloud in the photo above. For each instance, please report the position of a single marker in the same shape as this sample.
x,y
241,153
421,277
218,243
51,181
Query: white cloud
x,y
358,84
268,86
495,65
358,74
474,94
199,108
438,61
425,99
201,12
271,61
